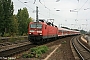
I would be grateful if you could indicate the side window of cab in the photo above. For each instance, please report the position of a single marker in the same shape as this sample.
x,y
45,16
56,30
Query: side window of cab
x,y
45,26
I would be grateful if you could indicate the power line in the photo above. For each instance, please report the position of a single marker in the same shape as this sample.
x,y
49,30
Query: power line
x,y
83,5
35,1
43,5
47,8
78,0
25,5
43,15
57,0
31,8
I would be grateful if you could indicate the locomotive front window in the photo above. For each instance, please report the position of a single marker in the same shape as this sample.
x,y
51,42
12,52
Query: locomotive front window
x,y
35,26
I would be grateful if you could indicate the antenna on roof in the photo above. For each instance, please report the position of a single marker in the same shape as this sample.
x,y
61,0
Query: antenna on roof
x,y
42,20
51,21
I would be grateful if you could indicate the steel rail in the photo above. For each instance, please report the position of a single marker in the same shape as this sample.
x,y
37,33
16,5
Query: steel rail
x,y
79,54
82,51
13,51
83,46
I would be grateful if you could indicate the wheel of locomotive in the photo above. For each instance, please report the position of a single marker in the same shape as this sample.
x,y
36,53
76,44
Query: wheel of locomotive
x,y
29,38
44,40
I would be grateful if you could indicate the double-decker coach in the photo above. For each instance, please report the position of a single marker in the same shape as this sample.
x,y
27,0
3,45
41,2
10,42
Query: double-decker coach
x,y
66,32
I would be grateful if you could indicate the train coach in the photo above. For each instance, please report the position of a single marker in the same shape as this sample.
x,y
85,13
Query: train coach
x,y
66,32
41,31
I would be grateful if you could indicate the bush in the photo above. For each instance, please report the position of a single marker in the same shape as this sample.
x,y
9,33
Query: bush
x,y
24,34
6,35
12,40
25,55
64,42
36,52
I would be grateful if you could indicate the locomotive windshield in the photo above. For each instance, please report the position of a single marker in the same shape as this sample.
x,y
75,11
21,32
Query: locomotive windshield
x,y
36,25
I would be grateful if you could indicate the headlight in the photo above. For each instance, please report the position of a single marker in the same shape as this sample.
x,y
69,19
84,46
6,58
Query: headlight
x,y
29,33
39,31
40,34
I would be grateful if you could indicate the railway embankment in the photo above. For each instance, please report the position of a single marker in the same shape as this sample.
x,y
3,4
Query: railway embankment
x,y
10,41
58,50
86,39
81,48
13,39
89,40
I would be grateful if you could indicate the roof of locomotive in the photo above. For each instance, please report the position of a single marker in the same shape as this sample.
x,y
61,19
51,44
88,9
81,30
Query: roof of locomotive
x,y
39,22
45,23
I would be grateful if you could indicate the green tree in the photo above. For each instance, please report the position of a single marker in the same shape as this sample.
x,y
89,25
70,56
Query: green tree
x,y
83,31
6,12
14,25
23,20
1,16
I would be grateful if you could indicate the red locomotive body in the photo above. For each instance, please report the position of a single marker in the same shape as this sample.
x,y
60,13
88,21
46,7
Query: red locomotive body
x,y
41,31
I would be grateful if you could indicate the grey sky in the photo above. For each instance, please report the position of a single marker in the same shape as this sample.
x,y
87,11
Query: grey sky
x,y
47,9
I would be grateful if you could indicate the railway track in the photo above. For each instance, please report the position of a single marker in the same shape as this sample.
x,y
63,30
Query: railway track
x,y
10,51
7,39
82,51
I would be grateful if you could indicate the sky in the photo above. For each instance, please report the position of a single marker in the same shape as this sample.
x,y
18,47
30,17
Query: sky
x,y
74,14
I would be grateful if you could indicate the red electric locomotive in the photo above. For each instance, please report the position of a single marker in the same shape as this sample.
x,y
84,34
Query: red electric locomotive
x,y
41,31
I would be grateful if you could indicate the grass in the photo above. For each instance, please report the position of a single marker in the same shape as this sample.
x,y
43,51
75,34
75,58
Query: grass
x,y
36,52
63,42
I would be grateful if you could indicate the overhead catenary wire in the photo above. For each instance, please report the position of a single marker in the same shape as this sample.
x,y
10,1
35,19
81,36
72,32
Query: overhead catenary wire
x,y
77,12
25,4
35,1
83,5
32,8
51,13
49,10
46,7
57,0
